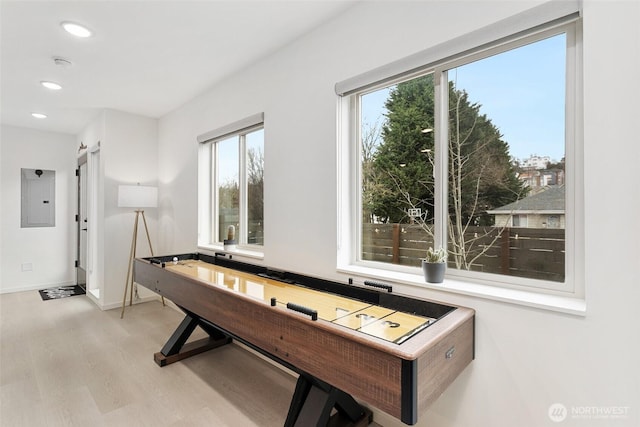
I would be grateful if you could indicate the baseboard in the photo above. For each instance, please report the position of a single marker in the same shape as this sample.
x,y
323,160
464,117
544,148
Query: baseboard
x,y
34,287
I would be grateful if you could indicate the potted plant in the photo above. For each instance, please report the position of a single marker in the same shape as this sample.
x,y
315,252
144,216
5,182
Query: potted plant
x,y
434,265
230,242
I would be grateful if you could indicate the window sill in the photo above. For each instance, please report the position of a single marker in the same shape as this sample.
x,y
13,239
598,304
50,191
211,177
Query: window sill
x,y
557,303
243,252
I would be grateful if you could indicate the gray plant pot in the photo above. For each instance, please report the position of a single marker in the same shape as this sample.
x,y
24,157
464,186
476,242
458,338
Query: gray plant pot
x,y
434,271
229,245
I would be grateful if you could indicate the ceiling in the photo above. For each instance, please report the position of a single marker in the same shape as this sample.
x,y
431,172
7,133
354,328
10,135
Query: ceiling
x,y
145,57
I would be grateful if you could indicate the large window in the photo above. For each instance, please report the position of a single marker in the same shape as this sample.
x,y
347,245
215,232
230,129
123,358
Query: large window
x,y
231,184
475,153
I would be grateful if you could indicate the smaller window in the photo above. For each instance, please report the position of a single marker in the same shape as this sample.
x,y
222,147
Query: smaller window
x,y
231,184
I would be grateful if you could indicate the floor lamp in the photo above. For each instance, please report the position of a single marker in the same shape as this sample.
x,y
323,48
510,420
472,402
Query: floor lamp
x,y
138,197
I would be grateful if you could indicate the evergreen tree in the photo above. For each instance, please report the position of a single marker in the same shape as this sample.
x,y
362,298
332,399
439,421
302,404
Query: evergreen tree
x,y
481,175
402,164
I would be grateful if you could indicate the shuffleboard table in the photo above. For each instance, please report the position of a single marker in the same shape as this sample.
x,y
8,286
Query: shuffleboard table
x,y
346,341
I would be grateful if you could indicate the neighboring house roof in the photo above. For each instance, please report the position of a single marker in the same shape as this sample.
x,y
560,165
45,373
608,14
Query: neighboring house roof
x,y
550,200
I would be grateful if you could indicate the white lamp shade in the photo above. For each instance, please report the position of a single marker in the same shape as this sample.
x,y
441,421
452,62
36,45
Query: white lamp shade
x,y
137,196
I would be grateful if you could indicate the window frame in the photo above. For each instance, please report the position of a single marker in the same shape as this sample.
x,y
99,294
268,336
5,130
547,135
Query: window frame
x,y
208,185
350,224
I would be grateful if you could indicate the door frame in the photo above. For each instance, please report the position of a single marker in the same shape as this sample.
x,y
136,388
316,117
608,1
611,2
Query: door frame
x,y
81,222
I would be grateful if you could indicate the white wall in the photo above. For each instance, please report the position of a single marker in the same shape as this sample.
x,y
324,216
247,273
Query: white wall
x,y
128,155
526,359
50,250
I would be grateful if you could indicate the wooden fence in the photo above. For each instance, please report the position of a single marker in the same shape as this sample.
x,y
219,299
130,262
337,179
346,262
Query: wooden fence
x,y
537,253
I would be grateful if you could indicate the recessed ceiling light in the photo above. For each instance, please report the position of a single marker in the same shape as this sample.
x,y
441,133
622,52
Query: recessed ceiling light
x,y
76,29
39,115
51,85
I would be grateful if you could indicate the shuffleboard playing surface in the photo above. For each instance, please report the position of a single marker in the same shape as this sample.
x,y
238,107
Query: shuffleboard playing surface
x,y
389,325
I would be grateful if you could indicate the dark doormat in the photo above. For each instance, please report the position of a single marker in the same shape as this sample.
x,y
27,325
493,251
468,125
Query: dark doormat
x,y
61,292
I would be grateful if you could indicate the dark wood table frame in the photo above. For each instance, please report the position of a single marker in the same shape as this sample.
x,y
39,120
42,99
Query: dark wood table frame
x,y
313,399
401,379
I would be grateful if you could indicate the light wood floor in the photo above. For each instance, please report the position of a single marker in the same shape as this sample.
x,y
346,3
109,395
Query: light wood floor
x,y
67,363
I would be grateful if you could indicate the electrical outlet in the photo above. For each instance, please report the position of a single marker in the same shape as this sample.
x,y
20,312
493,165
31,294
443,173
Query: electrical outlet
x,y
27,266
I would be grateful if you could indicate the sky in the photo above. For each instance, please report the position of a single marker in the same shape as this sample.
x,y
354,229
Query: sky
x,y
522,91
229,157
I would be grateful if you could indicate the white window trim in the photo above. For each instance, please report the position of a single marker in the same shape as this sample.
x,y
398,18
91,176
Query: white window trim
x,y
207,188
520,291
556,303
